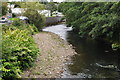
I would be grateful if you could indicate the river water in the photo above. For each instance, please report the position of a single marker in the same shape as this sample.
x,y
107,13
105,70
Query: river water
x,y
94,58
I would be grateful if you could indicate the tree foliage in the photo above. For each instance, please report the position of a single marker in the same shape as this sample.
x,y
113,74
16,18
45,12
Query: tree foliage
x,y
4,8
52,7
94,19
35,18
32,5
31,10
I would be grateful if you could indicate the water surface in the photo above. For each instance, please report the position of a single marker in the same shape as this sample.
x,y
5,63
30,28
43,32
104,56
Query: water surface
x,y
94,58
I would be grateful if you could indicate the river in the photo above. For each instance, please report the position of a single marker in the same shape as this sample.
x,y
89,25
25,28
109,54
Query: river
x,y
94,58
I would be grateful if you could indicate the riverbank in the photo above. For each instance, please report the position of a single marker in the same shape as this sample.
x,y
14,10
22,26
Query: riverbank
x,y
54,52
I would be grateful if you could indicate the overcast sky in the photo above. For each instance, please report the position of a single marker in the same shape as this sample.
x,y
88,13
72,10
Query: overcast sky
x,y
47,0
73,0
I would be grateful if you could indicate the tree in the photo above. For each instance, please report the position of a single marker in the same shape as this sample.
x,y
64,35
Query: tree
x,y
31,11
35,18
4,8
95,19
52,7
43,1
32,5
17,4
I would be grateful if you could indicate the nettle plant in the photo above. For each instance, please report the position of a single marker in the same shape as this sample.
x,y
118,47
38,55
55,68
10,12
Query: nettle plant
x,y
18,52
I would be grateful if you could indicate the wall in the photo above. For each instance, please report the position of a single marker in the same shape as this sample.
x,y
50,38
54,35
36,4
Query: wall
x,y
53,20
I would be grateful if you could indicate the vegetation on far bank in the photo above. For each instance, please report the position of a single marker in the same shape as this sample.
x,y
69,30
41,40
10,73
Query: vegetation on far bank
x,y
94,19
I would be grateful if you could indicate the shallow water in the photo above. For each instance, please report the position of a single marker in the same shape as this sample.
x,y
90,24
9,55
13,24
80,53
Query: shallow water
x,y
94,58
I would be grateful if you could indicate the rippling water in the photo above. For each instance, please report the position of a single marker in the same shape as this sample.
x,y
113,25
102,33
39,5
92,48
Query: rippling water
x,y
94,58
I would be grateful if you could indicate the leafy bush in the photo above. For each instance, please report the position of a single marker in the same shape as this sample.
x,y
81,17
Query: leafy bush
x,y
4,8
35,18
23,26
17,22
116,46
18,49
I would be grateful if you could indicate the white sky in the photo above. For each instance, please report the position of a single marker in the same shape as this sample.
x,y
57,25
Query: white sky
x,y
47,0
56,0
75,0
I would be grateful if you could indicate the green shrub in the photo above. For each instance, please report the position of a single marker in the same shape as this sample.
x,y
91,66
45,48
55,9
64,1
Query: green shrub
x,y
35,18
18,48
115,46
18,52
18,24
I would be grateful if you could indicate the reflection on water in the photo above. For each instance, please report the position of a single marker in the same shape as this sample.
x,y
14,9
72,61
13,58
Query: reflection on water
x,y
91,53
94,59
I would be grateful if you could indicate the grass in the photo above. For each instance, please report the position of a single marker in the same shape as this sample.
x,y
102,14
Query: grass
x,y
13,19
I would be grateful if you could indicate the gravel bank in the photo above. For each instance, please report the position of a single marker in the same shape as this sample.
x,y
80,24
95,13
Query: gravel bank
x,y
54,52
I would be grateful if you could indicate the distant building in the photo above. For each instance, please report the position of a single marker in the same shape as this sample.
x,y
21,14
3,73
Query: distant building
x,y
17,10
44,12
21,10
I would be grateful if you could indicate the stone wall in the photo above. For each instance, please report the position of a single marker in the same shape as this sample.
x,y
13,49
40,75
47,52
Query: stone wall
x,y
53,20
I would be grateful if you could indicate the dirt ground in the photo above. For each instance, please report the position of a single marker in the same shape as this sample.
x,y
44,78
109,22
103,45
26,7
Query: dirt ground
x,y
53,53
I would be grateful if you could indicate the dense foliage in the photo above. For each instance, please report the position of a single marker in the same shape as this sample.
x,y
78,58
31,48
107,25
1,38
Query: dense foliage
x,y
18,49
3,8
23,26
31,10
94,19
52,7
35,18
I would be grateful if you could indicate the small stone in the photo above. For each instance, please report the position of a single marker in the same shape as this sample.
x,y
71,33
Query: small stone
x,y
67,59
106,51
49,72
61,71
74,52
